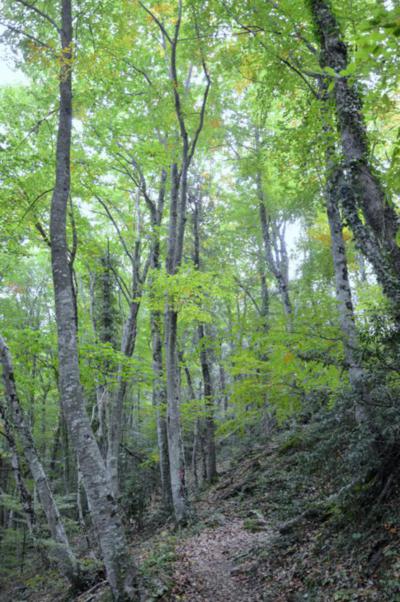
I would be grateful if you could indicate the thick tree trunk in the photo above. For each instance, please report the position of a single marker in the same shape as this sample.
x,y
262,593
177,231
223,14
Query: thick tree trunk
x,y
174,256
104,509
361,188
62,550
175,444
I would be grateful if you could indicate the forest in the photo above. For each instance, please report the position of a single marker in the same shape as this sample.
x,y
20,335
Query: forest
x,y
200,300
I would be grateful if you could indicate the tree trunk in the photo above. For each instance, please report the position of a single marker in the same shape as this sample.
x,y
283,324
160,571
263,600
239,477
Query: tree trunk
x,y
175,444
63,553
344,296
159,394
116,407
159,402
208,392
120,570
209,403
177,222
174,255
24,494
115,418
102,314
361,188
280,275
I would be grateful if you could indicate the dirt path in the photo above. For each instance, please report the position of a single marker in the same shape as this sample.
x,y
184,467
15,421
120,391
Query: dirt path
x,y
208,569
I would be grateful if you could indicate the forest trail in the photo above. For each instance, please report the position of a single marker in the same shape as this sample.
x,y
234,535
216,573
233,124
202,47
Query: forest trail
x,y
212,565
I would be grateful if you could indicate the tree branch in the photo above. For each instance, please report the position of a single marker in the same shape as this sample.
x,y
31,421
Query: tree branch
x,y
110,216
40,13
156,20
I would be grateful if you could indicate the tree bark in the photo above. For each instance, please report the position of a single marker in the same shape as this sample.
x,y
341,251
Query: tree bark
x,y
361,188
208,390
120,570
159,393
344,296
177,222
174,256
278,269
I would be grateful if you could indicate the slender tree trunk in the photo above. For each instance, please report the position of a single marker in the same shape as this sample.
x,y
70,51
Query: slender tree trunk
x,y
116,407
177,221
159,394
63,552
344,296
106,517
159,402
115,418
279,274
209,403
199,444
24,494
208,391
194,454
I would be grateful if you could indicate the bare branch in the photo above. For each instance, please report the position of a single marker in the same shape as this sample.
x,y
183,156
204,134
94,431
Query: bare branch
x,y
27,35
43,233
40,13
205,97
117,228
123,287
156,20
248,293
33,203
300,74
202,112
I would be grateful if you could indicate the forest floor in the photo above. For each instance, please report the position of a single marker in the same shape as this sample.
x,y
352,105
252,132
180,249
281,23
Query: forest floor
x,y
244,546
252,541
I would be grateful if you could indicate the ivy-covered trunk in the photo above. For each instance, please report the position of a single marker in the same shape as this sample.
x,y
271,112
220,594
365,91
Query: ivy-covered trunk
x,y
344,296
362,191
